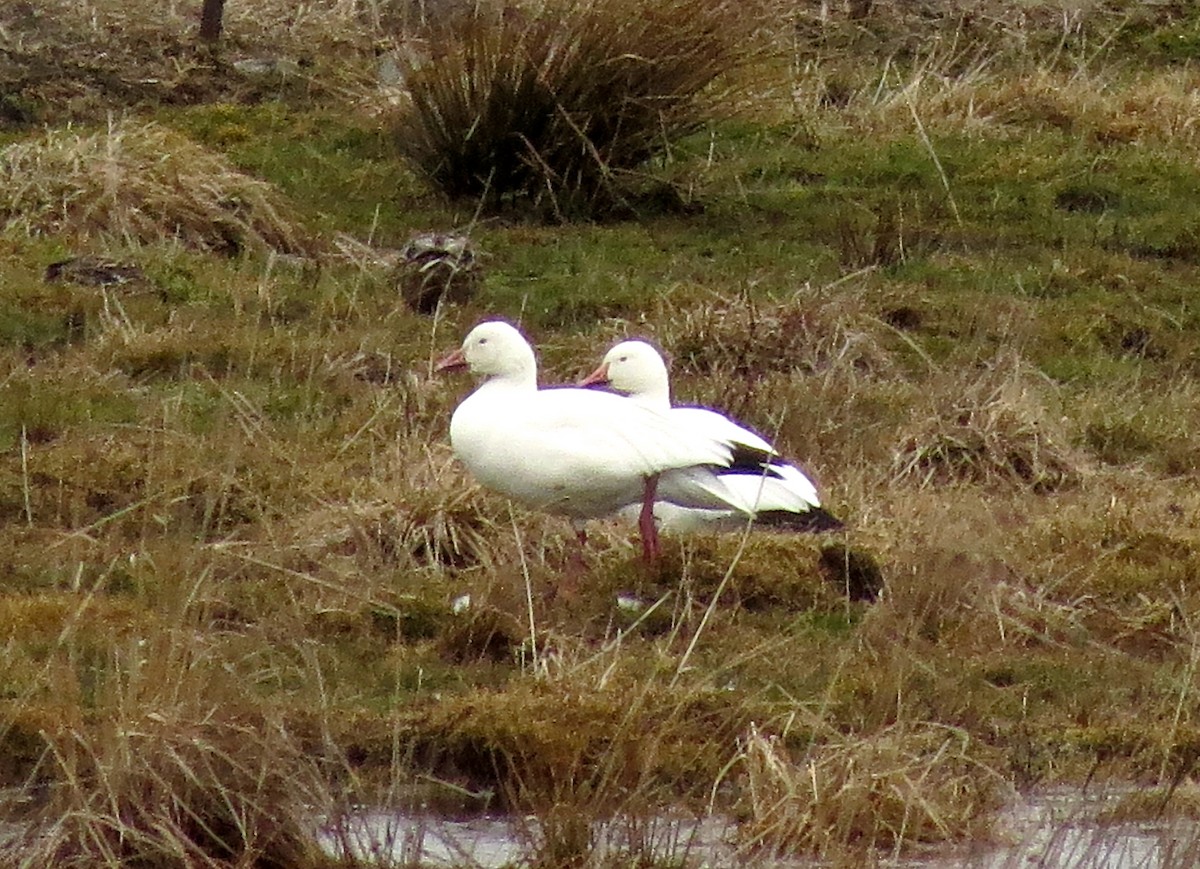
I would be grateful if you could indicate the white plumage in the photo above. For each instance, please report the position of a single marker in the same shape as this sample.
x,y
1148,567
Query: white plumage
x,y
576,452
765,485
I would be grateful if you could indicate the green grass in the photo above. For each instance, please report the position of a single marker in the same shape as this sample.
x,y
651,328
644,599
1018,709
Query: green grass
x,y
229,504
343,170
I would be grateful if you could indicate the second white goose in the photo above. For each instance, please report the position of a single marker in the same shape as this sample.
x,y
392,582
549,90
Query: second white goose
x,y
772,490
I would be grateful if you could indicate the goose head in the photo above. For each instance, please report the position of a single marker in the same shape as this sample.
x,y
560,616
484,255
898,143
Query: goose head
x,y
493,349
634,368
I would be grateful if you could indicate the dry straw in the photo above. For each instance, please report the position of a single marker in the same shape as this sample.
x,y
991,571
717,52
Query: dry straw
x,y
1154,107
997,68
141,183
141,26
750,337
909,783
996,427
166,767
555,102
170,793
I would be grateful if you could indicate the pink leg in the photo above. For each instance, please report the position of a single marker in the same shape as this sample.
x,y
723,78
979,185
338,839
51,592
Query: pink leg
x,y
646,523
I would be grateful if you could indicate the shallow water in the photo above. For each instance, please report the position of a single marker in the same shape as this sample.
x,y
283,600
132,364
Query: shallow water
x,y
1055,829
1059,829
488,842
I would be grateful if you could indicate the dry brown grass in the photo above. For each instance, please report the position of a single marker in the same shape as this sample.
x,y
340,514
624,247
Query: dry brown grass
x,y
138,184
997,426
553,105
742,337
906,784
798,370
594,737
1151,107
994,69
775,573
168,766
1101,567
267,24
176,792
250,473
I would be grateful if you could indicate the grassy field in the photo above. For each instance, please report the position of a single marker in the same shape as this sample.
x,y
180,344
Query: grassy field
x,y
948,258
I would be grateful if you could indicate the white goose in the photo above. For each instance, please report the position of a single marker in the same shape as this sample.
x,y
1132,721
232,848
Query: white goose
x,y
576,452
772,490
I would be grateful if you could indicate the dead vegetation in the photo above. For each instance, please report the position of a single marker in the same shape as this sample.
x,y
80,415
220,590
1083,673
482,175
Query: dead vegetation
x,y
552,106
909,783
62,62
176,793
748,338
243,572
168,767
996,427
142,184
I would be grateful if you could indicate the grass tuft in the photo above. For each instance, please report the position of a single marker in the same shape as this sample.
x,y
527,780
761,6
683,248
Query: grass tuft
x,y
201,794
429,528
746,337
141,183
909,783
555,104
996,428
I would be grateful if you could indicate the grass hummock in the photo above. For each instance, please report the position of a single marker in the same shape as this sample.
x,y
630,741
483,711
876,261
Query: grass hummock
x,y
943,254
554,106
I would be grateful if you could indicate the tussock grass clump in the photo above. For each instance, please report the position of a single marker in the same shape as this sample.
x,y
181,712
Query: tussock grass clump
x,y
994,428
750,338
909,783
419,510
592,736
425,528
773,571
140,183
176,793
556,103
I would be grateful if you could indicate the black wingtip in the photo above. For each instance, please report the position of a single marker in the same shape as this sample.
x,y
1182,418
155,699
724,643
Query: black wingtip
x,y
746,459
813,520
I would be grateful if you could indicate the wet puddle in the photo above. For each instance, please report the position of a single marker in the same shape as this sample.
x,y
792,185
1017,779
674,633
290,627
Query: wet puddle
x,y
1060,829
485,842
1064,829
